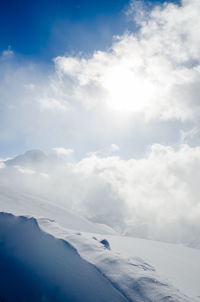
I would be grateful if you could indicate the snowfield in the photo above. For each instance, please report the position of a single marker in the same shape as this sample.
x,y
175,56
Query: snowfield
x,y
179,264
135,278
50,266
41,267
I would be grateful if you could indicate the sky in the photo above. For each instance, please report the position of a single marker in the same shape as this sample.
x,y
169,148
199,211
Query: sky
x,y
35,36
112,89
41,30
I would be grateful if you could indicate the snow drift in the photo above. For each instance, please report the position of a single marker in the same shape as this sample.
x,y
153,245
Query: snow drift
x,y
34,266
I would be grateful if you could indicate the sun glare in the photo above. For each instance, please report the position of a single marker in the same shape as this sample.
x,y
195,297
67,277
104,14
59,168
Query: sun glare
x,y
127,91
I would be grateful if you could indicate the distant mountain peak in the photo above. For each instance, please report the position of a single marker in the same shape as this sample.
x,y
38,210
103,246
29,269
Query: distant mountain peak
x,y
33,156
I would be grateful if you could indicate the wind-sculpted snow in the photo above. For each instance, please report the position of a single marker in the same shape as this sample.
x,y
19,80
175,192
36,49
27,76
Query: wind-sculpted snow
x,y
179,264
136,279
36,267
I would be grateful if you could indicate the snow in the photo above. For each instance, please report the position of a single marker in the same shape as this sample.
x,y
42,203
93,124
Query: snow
x,y
39,267
135,278
179,264
25,204
132,269
30,157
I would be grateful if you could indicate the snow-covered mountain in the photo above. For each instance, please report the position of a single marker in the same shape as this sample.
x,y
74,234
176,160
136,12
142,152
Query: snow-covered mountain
x,y
31,157
74,265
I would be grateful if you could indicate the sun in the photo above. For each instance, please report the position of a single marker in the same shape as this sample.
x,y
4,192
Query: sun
x,y
127,90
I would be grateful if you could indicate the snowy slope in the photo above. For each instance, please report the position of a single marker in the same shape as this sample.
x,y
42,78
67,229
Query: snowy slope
x,y
179,264
129,266
133,277
12,201
49,269
35,266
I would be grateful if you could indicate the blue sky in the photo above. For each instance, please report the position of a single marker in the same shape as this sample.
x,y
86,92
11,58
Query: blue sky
x,y
44,29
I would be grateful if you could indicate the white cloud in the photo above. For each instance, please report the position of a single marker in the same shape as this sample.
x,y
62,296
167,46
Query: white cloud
x,y
2,165
187,136
7,54
52,104
114,148
155,72
30,86
25,171
63,151
158,195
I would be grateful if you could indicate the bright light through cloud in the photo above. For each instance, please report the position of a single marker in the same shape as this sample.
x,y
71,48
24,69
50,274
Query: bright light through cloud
x,y
127,90
63,151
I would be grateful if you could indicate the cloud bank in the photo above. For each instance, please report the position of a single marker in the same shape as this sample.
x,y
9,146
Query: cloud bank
x,y
155,72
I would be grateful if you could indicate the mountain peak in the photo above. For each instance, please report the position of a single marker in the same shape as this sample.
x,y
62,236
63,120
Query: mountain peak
x,y
33,156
